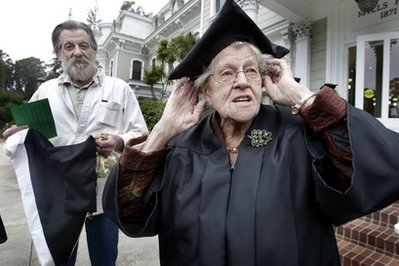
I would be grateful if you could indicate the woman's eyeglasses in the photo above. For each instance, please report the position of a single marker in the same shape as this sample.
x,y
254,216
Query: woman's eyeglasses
x,y
228,76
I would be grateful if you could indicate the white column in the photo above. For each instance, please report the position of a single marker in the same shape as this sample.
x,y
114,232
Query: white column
x,y
336,61
287,37
302,58
202,19
251,8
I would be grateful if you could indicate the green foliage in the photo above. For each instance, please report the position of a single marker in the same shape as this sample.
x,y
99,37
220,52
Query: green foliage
x,y
175,49
92,19
55,69
182,44
26,73
168,52
130,6
152,111
152,76
127,5
164,53
8,99
6,69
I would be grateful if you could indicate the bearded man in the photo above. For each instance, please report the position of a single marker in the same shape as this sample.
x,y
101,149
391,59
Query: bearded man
x,y
85,102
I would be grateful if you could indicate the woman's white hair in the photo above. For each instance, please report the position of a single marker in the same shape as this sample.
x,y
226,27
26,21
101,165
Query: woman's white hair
x,y
201,82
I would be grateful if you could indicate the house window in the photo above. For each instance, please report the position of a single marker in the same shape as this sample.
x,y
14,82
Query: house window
x,y
136,70
394,79
352,75
111,69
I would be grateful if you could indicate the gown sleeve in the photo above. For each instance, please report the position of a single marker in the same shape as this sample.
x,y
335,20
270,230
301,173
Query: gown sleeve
x,y
327,119
129,197
372,180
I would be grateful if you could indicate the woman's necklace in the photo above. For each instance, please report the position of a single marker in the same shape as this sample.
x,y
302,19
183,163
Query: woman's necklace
x,y
232,149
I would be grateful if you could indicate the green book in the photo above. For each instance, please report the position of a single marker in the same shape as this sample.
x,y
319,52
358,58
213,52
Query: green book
x,y
36,115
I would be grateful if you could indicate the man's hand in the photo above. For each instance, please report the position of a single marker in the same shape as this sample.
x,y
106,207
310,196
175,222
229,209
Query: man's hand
x,y
12,130
107,143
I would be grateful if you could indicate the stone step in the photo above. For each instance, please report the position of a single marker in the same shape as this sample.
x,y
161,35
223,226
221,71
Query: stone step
x,y
352,254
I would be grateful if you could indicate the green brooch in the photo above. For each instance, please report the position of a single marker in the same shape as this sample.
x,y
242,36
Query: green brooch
x,y
260,137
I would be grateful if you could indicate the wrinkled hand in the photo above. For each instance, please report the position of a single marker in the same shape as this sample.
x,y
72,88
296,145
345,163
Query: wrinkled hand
x,y
12,130
181,112
280,84
107,143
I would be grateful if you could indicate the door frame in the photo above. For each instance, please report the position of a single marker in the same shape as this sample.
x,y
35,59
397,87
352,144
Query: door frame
x,y
386,37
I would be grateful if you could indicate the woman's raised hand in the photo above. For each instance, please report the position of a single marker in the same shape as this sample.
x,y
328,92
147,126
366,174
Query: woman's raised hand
x,y
181,112
280,84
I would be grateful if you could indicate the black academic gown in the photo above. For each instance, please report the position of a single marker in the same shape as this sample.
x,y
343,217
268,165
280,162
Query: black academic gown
x,y
3,234
58,189
274,208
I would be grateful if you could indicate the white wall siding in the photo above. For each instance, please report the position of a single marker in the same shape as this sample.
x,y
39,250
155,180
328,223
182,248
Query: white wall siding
x,y
124,62
318,54
135,25
267,18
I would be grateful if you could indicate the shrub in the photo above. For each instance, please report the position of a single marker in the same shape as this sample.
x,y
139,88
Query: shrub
x,y
152,111
8,99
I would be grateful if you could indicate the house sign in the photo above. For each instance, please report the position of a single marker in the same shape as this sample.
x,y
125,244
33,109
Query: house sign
x,y
384,9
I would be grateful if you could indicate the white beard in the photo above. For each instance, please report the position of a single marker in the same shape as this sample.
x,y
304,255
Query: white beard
x,y
81,71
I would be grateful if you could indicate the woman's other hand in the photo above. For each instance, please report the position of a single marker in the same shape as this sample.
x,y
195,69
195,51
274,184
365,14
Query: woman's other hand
x,y
181,112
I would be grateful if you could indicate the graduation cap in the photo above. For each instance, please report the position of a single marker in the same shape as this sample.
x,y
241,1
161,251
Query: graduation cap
x,y
231,24
330,85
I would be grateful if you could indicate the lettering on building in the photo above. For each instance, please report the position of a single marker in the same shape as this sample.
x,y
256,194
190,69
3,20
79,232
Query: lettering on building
x,y
384,10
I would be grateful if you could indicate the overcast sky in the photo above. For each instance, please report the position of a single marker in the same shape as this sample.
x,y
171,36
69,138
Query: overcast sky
x,y
26,25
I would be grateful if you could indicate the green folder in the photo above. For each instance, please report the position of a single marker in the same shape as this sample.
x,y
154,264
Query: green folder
x,y
36,115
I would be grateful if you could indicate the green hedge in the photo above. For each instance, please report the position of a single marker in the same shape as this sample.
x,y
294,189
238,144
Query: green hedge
x,y
8,99
152,111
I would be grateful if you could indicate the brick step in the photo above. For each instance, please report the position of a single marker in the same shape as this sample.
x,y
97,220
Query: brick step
x,y
384,239
356,255
386,216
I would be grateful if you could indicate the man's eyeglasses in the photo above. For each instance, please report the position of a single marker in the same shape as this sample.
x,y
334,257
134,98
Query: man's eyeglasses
x,y
228,76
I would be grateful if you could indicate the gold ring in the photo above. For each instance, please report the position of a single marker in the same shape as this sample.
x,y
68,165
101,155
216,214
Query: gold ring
x,y
103,136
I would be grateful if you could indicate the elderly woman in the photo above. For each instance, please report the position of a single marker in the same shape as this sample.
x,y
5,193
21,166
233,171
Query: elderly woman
x,y
250,184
